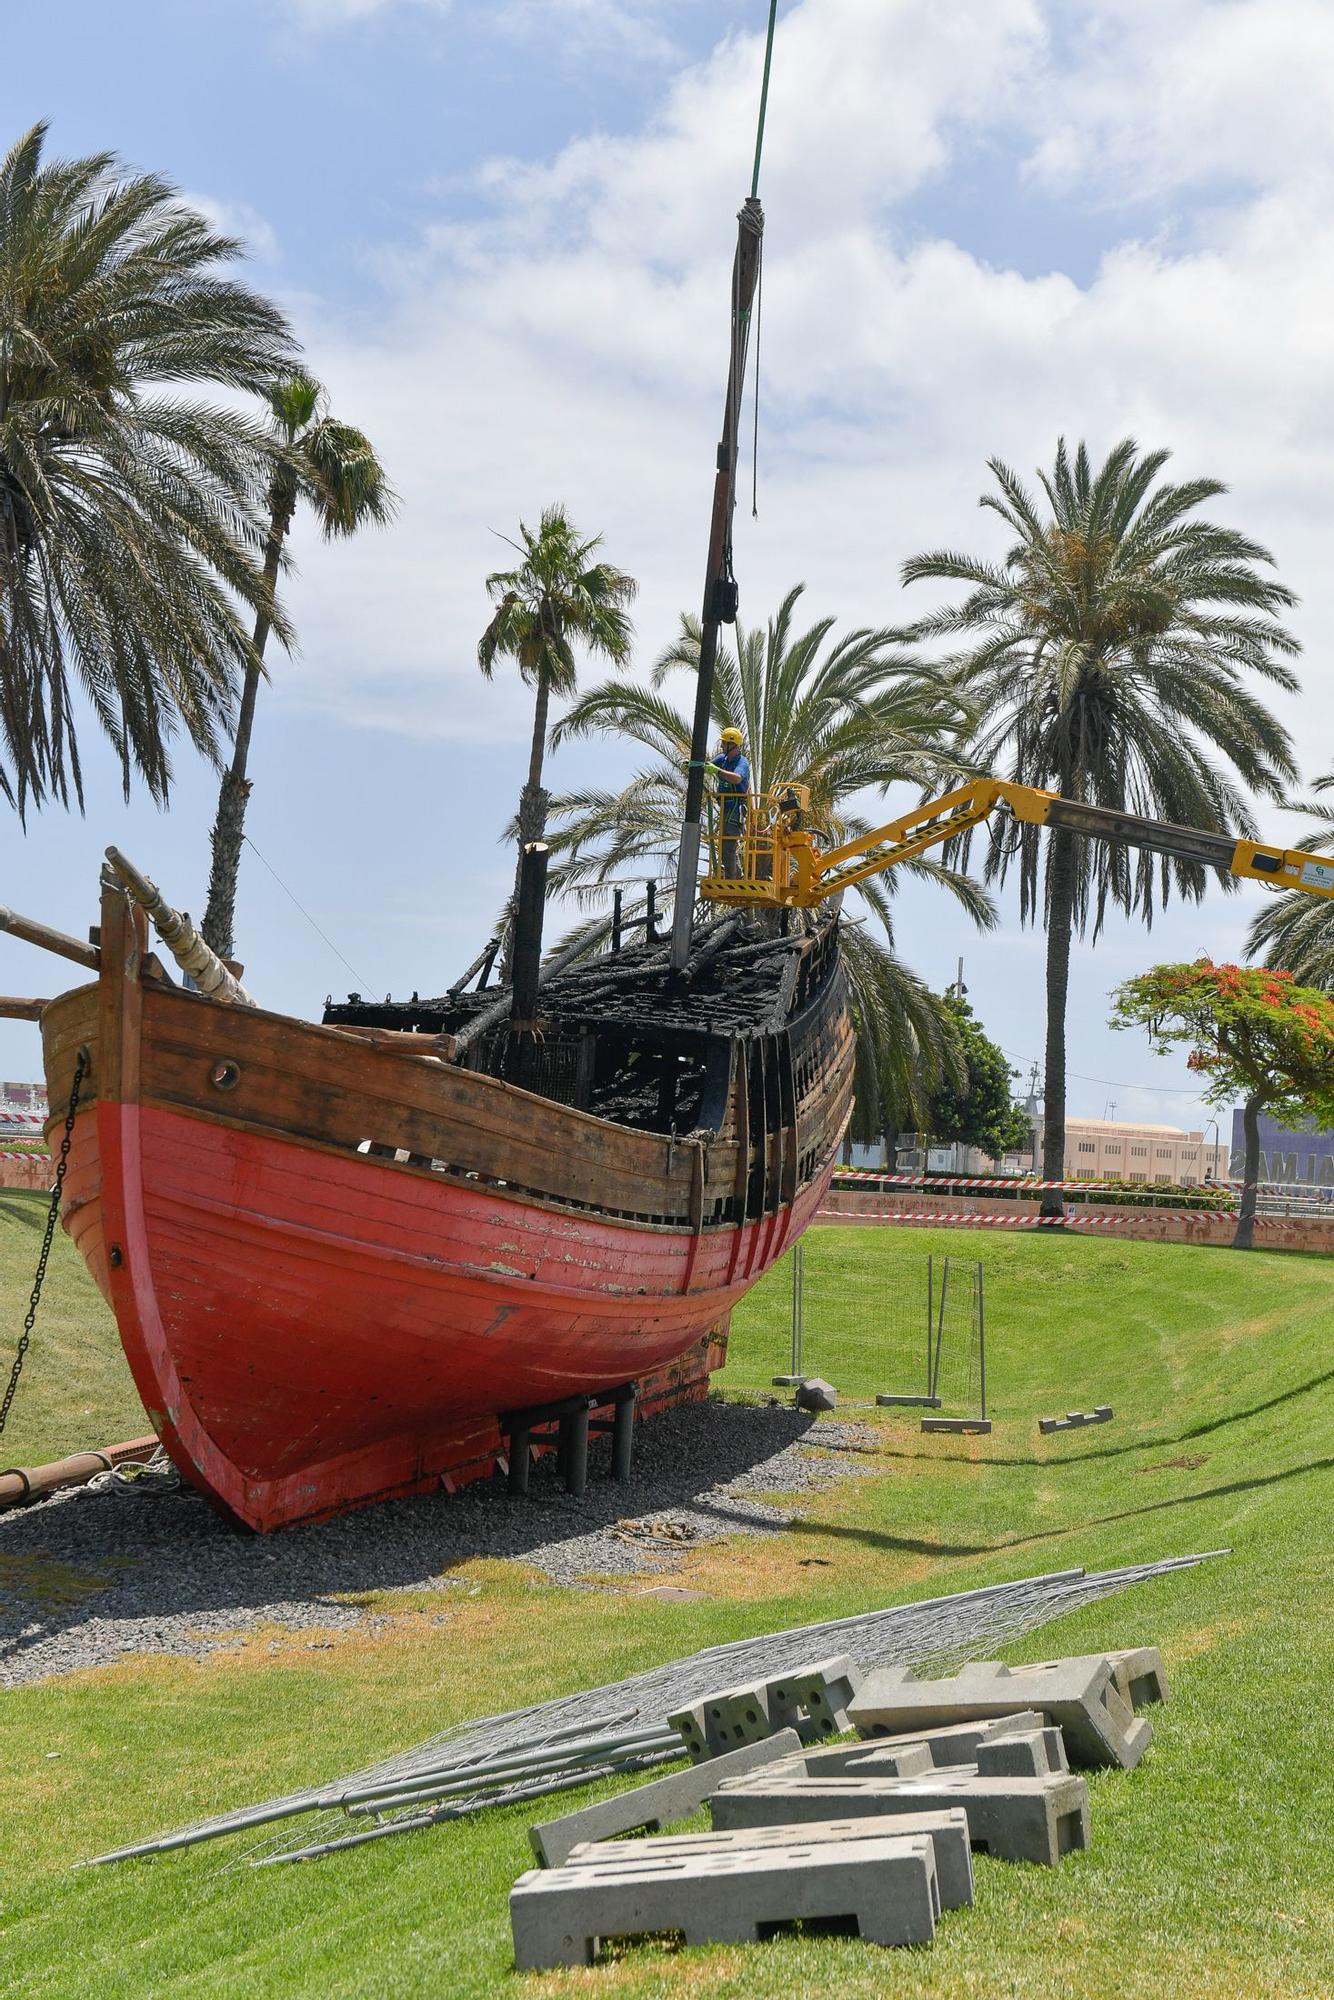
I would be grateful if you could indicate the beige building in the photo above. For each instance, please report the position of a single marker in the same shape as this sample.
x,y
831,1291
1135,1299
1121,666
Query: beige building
x,y
1101,1149
1095,1149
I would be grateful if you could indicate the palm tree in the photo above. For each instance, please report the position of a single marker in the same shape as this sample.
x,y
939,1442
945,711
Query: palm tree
x,y
1294,932
334,469
1109,652
845,718
128,525
558,595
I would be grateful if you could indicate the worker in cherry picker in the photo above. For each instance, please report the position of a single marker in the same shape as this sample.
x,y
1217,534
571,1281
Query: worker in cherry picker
x,y
732,777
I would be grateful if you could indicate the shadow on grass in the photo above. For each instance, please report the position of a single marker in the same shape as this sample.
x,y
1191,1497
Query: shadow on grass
x,y
27,1206
907,1545
1204,1429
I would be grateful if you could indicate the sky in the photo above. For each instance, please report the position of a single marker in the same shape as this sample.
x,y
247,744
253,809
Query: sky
x,y
503,230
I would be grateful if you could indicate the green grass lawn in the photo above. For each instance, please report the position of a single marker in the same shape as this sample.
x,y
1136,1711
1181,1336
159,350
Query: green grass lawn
x,y
1211,1865
76,1390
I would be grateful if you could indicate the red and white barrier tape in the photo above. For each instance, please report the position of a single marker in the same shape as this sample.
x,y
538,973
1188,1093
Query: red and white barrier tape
x,y
21,1153
927,1219
887,1179
1013,1184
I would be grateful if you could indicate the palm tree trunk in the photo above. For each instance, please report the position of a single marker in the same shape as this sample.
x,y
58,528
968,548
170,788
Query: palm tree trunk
x,y
229,826
1060,923
533,803
1244,1238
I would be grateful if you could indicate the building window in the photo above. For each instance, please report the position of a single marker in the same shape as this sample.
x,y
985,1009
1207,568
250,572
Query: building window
x,y
1138,1177
1189,1154
1163,1180
1087,1146
1138,1153
1188,1180
1164,1152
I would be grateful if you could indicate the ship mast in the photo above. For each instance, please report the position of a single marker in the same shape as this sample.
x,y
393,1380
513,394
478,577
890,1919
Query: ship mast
x,y
720,587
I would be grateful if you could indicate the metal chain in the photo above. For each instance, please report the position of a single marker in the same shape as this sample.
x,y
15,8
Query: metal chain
x,y
80,1071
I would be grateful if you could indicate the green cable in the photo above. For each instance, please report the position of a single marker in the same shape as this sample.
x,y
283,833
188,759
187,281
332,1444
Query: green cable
x,y
764,99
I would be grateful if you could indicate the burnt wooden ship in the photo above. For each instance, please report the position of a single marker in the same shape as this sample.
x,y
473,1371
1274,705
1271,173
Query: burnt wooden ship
x,y
339,1252
347,1257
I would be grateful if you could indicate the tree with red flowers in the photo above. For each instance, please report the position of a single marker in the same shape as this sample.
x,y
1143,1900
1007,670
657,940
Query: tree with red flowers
x,y
1252,1033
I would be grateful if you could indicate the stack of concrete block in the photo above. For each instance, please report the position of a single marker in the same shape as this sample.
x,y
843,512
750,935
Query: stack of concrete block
x,y
1021,1801
661,1802
880,1831
724,1895
813,1700
1091,1699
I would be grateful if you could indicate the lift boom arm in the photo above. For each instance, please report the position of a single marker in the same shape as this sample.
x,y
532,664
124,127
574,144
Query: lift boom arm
x,y
775,863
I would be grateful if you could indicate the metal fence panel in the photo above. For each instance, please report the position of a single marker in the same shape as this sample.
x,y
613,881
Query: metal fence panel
x,y
900,1325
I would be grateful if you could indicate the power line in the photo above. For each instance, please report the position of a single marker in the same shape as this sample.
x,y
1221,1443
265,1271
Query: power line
x,y
1110,1083
359,977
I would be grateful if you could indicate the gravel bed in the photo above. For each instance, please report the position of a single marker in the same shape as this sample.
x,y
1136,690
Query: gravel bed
x,y
93,1574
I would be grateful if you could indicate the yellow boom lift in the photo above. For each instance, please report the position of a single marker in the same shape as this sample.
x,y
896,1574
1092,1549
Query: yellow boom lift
x,y
776,863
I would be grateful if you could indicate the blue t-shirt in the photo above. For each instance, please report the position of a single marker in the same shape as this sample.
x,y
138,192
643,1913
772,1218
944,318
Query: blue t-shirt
x,y
734,796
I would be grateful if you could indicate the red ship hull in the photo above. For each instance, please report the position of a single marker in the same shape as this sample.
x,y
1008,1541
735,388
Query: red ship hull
x,y
302,1347
312,1328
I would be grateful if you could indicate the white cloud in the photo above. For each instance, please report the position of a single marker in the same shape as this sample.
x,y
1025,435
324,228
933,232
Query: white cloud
x,y
573,342
572,345
239,219
329,14
1162,96
598,31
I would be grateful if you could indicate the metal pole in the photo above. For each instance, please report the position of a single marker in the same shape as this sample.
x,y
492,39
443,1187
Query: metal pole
x,y
931,1299
720,595
940,1325
981,1340
796,1296
616,921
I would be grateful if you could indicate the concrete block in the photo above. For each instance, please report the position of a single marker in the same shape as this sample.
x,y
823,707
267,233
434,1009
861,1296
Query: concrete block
x,y
957,1742
1075,1420
737,1715
891,1760
814,1393
1015,1746
888,1887
1079,1695
1140,1675
1015,1756
812,1699
947,1832
690,1727
655,1804
970,1426
1018,1819
908,1402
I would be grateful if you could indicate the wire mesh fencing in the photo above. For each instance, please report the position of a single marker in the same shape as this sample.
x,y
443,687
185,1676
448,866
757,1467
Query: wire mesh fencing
x,y
959,1358
560,1745
900,1327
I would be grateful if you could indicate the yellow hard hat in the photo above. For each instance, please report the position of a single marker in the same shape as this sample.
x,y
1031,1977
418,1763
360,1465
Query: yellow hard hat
x,y
731,736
